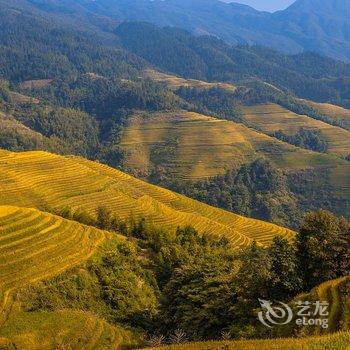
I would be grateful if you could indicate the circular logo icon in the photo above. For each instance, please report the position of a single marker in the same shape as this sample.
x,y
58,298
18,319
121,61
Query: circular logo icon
x,y
274,314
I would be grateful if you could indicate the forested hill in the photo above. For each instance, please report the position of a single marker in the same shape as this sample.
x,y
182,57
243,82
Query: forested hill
x,y
316,25
175,50
35,45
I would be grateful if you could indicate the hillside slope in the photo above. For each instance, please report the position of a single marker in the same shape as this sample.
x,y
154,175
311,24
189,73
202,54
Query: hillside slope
x,y
196,147
173,82
34,179
35,246
271,118
337,294
337,113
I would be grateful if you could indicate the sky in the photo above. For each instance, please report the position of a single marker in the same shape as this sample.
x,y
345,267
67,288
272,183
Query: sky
x,y
265,5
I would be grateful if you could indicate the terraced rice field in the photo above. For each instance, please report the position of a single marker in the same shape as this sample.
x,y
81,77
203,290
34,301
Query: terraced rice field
x,y
339,341
194,147
174,82
19,98
31,179
272,117
333,111
66,329
337,294
35,246
191,145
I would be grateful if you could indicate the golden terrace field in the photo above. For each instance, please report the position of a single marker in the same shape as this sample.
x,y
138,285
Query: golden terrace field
x,y
333,111
174,82
36,246
33,179
65,329
194,147
272,117
337,293
339,341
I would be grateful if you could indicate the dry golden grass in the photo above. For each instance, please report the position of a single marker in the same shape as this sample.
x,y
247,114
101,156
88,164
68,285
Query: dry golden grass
x,y
31,179
174,82
339,341
333,111
272,117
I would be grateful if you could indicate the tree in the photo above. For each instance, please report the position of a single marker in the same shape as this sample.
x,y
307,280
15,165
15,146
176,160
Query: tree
x,y
104,218
200,297
285,280
253,279
323,248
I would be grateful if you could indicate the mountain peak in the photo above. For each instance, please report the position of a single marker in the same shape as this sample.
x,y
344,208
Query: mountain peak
x,y
341,7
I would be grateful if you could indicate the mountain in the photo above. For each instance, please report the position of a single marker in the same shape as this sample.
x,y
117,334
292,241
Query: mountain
x,y
70,95
311,25
174,50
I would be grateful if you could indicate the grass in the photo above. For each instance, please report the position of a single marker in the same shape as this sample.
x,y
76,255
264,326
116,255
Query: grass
x,y
31,179
339,341
272,117
174,82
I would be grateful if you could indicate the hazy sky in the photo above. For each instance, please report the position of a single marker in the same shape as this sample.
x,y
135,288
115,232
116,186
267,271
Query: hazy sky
x,y
265,5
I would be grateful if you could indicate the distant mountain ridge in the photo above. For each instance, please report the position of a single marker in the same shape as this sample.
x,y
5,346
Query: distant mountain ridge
x,y
312,25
